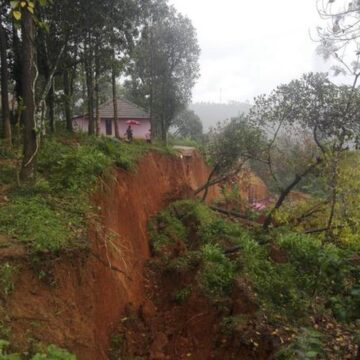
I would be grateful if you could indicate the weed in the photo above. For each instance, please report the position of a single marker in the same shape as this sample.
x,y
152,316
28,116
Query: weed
x,y
308,345
117,346
5,331
7,174
183,295
7,274
54,353
231,323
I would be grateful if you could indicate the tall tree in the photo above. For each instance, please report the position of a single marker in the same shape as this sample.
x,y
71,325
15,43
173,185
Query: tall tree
x,y
165,66
188,125
28,91
5,111
326,112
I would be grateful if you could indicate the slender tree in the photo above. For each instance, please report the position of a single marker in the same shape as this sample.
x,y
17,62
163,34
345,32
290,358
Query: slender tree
x,y
5,111
28,91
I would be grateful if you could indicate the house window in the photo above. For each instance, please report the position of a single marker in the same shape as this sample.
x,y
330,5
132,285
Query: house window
x,y
108,126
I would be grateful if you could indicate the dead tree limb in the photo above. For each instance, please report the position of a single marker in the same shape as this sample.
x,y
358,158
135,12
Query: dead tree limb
x,y
243,218
287,190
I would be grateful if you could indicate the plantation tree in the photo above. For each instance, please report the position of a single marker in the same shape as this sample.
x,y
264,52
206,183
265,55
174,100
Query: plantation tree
x,y
313,105
25,15
229,147
164,66
188,125
5,111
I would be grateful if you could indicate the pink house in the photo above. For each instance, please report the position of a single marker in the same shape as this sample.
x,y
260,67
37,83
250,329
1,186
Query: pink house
x,y
126,111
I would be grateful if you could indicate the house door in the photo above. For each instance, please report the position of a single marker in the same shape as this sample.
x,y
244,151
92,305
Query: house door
x,y
108,126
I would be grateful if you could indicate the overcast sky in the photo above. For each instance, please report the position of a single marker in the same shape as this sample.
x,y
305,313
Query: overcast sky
x,y
251,46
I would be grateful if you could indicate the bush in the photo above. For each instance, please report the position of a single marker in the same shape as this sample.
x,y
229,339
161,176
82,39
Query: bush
x,y
306,346
217,273
52,353
7,273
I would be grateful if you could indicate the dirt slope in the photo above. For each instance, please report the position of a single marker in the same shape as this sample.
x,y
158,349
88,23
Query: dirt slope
x,y
76,300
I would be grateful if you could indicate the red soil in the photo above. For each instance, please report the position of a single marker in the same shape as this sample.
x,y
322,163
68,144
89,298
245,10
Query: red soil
x,y
81,297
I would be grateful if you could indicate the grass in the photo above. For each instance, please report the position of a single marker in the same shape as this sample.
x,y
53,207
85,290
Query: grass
x,y
53,213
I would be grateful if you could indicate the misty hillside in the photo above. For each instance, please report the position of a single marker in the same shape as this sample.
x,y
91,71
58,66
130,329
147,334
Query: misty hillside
x,y
211,113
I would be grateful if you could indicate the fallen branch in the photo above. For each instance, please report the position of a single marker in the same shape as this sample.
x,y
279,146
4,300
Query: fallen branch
x,y
315,231
243,218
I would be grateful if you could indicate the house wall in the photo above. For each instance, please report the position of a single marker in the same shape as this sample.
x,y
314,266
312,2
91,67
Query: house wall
x,y
139,131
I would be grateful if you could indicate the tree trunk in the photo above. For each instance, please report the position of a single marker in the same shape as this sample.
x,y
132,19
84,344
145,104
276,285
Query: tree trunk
x,y
287,191
97,95
4,89
50,101
27,173
17,65
207,185
90,87
67,100
114,91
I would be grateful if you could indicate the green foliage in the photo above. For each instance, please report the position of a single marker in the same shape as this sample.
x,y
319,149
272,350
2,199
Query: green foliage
x,y
51,215
117,346
233,142
275,284
217,274
183,295
188,125
7,174
7,273
310,278
328,270
307,346
4,354
54,353
39,222
170,41
165,230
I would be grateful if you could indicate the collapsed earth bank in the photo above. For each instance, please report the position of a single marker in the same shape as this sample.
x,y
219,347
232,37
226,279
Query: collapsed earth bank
x,y
76,300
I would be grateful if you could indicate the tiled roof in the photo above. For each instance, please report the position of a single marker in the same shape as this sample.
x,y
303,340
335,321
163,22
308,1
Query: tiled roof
x,y
126,110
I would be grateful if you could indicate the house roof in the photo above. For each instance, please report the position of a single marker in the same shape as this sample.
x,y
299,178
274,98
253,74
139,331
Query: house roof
x,y
126,110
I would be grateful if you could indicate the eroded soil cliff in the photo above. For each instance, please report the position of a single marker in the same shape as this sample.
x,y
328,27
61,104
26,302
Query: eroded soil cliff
x,y
76,300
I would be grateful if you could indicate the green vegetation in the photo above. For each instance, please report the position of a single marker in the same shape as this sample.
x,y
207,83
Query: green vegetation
x,y
307,346
52,214
51,353
7,273
308,279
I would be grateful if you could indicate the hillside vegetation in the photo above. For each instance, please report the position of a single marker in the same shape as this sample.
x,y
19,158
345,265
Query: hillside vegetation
x,y
298,290
53,213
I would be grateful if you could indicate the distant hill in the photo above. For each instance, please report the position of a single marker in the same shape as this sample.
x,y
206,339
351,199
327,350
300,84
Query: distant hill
x,y
211,113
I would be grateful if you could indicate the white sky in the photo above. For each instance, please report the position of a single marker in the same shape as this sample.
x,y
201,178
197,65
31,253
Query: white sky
x,y
251,46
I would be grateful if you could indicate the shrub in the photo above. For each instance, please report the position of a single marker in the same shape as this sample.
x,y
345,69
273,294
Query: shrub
x,y
183,295
217,274
307,346
7,273
54,353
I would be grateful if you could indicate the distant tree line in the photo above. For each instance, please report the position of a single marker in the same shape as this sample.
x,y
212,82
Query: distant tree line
x,y
62,56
